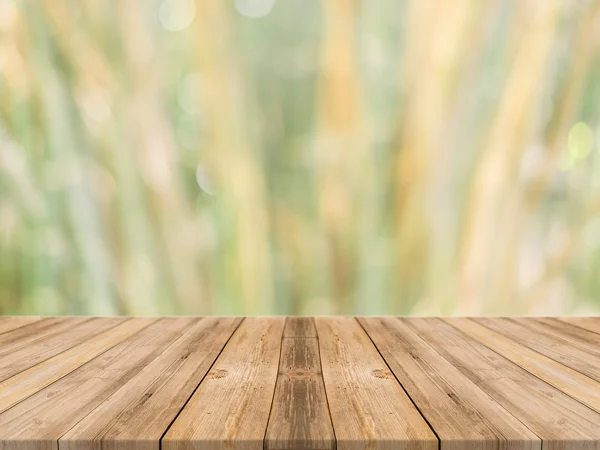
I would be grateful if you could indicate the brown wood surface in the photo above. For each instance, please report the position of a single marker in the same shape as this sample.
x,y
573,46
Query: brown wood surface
x,y
79,383
8,323
561,421
587,323
30,381
300,414
15,360
369,409
21,337
144,407
565,379
462,414
230,409
553,340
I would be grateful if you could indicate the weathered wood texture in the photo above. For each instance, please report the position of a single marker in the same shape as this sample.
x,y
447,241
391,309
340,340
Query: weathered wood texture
x,y
369,409
299,383
463,415
300,414
230,409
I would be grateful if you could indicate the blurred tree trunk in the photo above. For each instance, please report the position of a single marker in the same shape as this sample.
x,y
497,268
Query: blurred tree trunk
x,y
233,160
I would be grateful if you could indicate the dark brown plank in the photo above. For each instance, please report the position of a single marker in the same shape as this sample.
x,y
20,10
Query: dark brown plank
x,y
300,415
303,327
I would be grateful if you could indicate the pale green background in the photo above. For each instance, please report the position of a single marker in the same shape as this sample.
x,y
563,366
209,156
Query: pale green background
x,y
299,157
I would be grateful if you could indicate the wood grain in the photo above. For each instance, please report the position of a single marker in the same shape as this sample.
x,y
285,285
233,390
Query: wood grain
x,y
551,340
13,361
461,413
230,410
587,323
8,323
561,421
30,381
581,337
369,409
38,422
138,414
21,337
300,414
569,381
189,383
302,327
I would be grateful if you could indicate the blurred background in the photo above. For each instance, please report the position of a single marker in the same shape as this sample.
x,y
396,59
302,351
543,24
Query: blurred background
x,y
300,157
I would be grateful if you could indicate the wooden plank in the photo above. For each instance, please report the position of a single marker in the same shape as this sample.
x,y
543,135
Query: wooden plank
x,y
40,420
300,415
587,323
230,409
14,361
369,408
30,381
462,414
561,421
581,337
24,336
551,341
303,327
137,415
9,323
575,384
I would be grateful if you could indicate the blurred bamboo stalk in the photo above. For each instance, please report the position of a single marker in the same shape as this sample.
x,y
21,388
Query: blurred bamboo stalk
x,y
157,157
344,170
232,158
432,66
492,195
66,147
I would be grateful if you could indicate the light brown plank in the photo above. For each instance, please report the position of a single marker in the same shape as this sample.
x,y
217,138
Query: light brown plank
x,y
562,422
36,331
231,407
49,345
369,408
551,341
138,414
587,339
587,323
9,323
303,327
39,421
463,416
28,382
300,416
575,384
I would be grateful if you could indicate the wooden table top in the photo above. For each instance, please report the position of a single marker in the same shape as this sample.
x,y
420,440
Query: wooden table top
x,y
186,383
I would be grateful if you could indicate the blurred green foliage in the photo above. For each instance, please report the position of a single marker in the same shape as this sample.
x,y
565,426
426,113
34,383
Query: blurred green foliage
x,y
299,157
